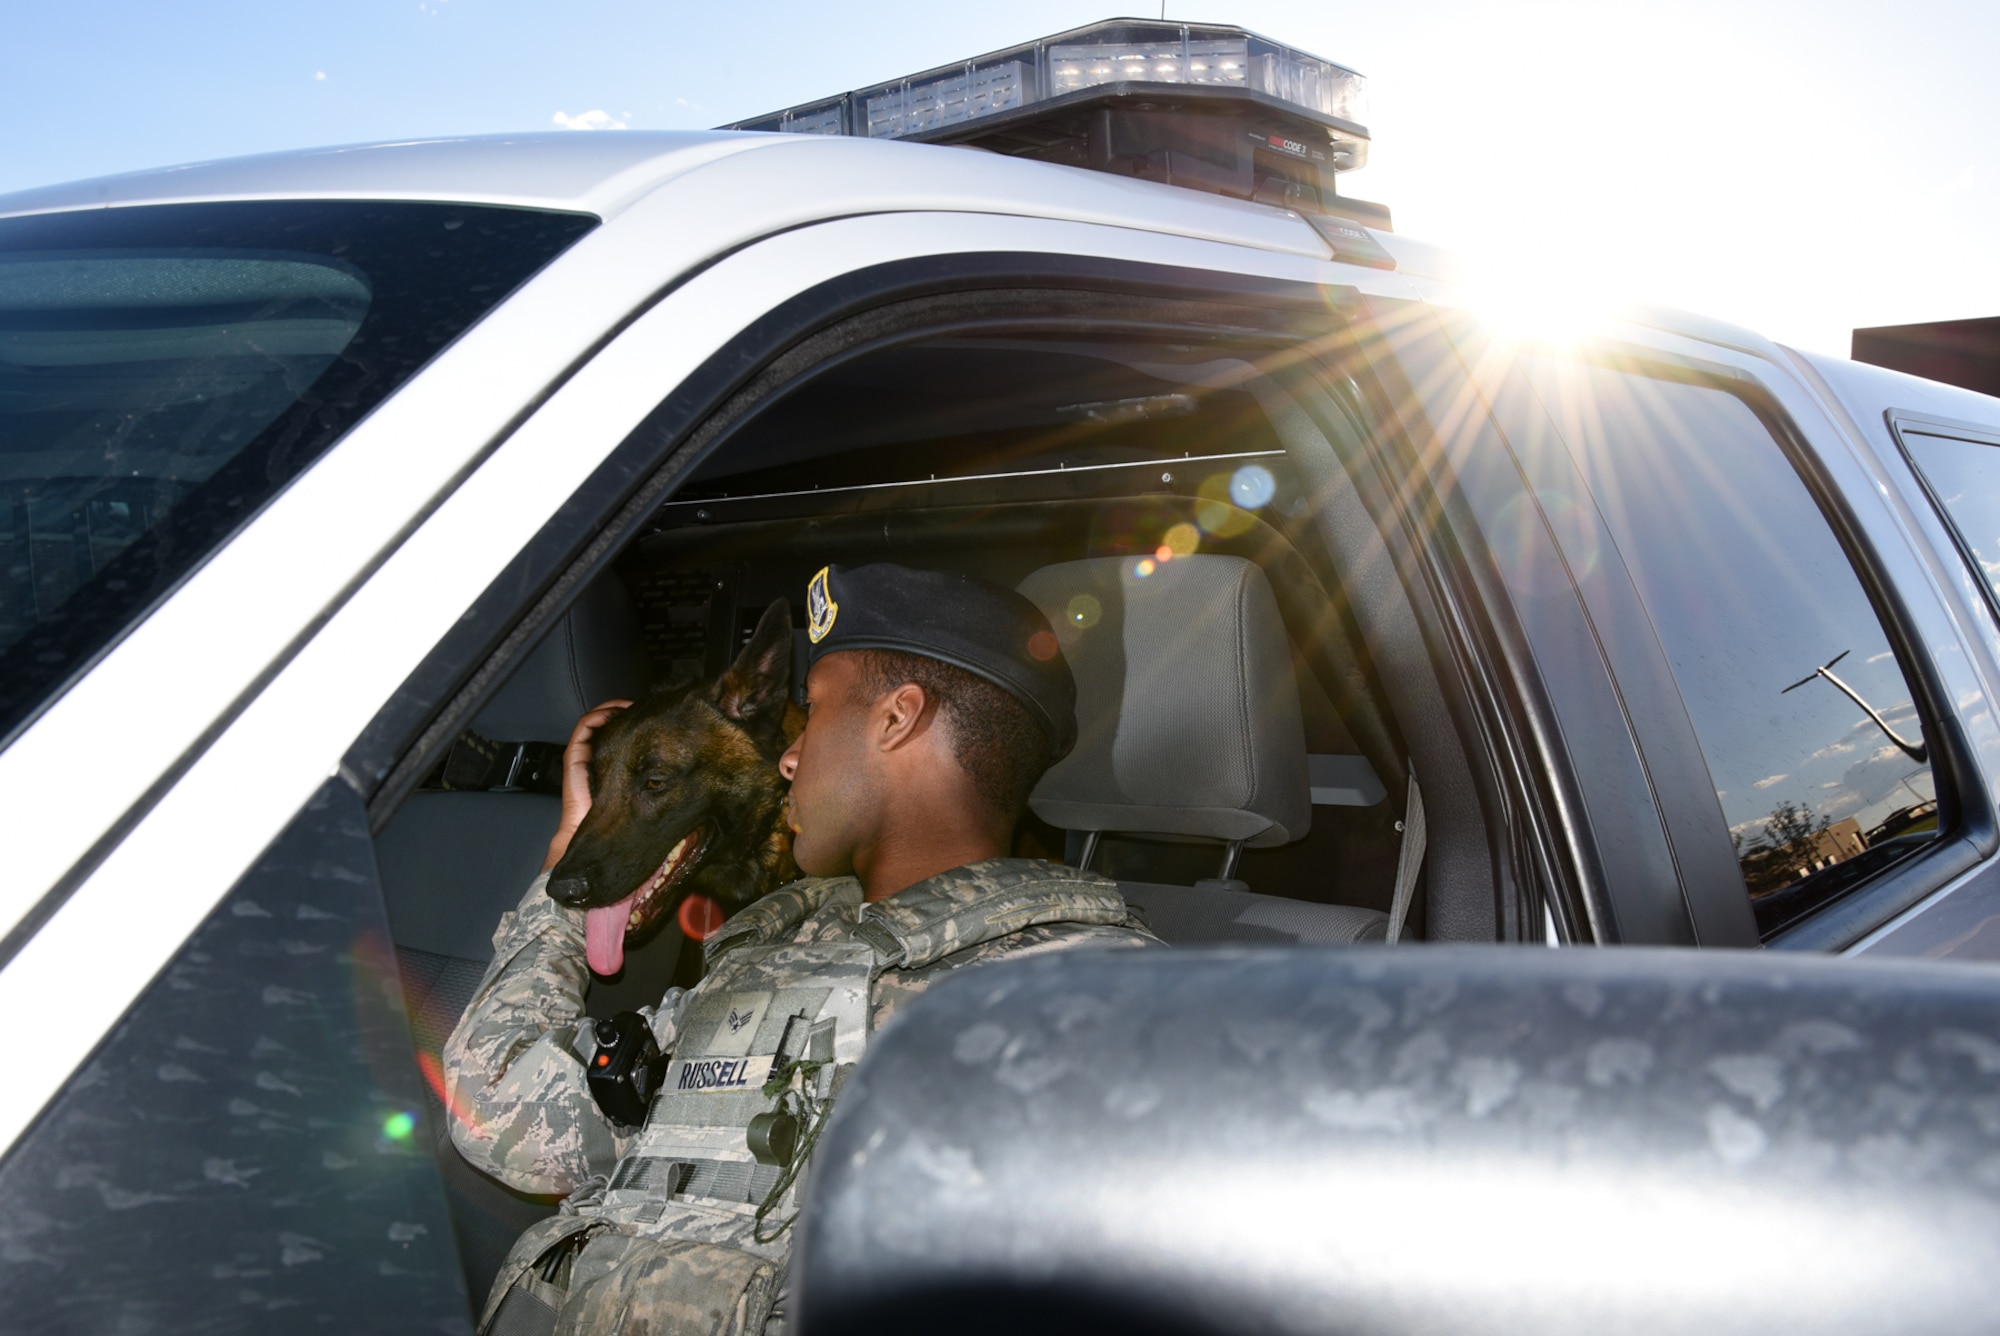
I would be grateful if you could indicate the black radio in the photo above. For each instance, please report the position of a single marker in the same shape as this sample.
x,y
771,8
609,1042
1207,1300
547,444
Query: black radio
x,y
625,1071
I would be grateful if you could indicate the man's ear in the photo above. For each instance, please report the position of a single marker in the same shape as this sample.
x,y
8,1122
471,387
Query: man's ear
x,y
905,714
756,685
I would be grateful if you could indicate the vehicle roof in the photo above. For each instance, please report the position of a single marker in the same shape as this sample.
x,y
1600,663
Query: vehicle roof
x,y
1946,404
606,173
597,173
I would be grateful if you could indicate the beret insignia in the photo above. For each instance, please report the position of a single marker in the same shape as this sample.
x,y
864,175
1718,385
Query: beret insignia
x,y
820,607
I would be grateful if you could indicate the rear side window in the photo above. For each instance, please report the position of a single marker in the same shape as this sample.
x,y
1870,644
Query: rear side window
x,y
1963,478
1809,728
164,371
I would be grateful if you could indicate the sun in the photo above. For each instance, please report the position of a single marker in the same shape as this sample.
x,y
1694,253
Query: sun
x,y
1538,306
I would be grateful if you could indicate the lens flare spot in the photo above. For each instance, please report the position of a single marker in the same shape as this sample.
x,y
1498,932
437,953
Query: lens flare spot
x,y
1163,554
700,917
1143,568
1182,539
1252,487
1042,645
1216,510
398,1126
1083,611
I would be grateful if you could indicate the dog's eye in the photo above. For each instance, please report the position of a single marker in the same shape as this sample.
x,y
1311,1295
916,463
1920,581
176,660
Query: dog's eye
x,y
654,783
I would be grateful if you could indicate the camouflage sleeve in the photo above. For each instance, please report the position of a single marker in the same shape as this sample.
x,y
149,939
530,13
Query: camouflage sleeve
x,y
896,987
514,1077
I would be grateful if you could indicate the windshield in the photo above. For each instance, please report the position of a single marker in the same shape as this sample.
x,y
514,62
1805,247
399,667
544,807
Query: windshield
x,y
165,371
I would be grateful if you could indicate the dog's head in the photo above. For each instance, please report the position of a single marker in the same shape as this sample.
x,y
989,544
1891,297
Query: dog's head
x,y
686,797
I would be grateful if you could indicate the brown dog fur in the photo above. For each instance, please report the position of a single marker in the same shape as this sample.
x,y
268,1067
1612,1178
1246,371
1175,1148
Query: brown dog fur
x,y
698,761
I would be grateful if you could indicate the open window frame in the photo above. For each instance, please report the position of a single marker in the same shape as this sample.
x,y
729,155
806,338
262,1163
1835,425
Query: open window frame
x,y
912,300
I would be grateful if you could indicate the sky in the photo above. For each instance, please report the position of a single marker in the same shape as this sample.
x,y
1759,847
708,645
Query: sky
x,y
1800,168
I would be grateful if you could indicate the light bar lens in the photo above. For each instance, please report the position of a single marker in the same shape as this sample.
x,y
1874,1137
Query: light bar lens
x,y
916,105
1120,52
1290,76
1078,66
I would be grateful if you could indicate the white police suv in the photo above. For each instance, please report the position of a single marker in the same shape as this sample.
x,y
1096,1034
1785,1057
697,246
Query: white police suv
x,y
334,484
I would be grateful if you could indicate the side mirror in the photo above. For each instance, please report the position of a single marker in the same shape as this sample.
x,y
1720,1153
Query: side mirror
x,y
1371,1140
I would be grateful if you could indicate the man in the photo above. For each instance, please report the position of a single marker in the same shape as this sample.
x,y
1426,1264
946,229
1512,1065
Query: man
x,y
934,704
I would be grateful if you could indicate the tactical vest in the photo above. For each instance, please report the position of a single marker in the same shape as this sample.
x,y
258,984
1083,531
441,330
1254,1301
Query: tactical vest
x,y
690,1226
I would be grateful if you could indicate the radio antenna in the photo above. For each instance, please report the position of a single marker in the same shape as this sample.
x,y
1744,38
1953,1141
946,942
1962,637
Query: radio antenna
x,y
1916,751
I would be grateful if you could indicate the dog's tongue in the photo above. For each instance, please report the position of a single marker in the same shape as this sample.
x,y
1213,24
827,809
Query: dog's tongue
x,y
604,935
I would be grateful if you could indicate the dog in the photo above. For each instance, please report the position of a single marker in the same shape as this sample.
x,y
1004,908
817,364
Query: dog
x,y
686,800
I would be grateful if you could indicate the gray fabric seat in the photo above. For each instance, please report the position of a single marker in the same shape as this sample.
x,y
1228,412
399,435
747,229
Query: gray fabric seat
x,y
452,863
1188,725
1214,914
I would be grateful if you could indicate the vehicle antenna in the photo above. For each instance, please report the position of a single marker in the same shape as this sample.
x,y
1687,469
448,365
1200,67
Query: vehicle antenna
x,y
1917,751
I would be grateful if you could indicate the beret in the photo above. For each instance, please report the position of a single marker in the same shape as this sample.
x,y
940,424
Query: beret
x,y
986,629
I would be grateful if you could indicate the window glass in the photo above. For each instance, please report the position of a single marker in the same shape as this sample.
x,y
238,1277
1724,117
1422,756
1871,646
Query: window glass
x,y
246,1150
1964,478
164,371
1809,728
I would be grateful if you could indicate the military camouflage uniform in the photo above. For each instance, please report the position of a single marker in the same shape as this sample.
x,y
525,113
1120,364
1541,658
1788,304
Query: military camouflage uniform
x,y
523,1113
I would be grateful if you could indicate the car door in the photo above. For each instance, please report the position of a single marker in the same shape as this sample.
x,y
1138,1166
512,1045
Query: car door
x,y
245,1147
1927,450
254,832
1717,525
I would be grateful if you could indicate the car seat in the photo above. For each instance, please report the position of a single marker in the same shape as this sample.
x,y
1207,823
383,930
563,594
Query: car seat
x,y
452,863
1188,726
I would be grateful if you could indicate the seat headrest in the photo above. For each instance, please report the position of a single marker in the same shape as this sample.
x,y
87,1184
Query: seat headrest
x,y
1187,711
592,654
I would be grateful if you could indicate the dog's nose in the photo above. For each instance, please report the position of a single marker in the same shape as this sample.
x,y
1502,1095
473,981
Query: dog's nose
x,y
571,891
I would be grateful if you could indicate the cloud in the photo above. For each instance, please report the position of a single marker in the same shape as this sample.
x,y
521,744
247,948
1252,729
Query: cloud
x,y
1885,654
1863,732
319,76
1769,780
595,119
1881,774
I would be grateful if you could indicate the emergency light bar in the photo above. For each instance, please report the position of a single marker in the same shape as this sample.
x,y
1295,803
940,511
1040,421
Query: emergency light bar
x,y
1209,106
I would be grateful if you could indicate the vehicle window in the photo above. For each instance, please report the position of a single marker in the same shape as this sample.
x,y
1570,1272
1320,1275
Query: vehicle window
x,y
1963,478
998,456
164,371
247,1149
1809,728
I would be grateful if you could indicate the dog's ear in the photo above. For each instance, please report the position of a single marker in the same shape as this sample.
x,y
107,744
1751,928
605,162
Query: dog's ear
x,y
756,685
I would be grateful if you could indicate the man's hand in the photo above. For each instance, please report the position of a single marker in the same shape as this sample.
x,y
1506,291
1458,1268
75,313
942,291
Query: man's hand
x,y
576,778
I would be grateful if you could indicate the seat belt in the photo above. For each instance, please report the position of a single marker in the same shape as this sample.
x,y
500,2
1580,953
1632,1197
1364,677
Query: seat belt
x,y
1409,860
